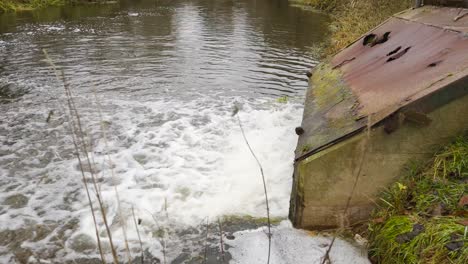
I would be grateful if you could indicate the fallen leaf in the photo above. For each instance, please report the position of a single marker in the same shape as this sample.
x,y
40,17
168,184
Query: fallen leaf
x,y
463,222
463,201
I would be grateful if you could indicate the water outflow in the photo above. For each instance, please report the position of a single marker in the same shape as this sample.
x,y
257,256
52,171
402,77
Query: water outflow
x,y
166,75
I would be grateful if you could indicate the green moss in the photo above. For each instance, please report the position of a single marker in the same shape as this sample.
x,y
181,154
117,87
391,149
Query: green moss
x,y
328,86
283,99
428,195
305,148
236,219
333,98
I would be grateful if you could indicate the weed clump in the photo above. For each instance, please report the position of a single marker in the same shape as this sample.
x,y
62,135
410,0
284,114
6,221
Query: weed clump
x,y
423,217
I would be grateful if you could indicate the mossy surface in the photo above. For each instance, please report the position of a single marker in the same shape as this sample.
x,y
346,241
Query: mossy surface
x,y
328,86
431,198
330,109
234,223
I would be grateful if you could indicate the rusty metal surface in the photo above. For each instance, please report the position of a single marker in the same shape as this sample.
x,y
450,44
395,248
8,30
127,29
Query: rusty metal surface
x,y
419,58
456,3
444,17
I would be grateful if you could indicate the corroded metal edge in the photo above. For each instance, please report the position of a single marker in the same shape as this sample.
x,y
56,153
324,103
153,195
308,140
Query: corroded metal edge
x,y
356,88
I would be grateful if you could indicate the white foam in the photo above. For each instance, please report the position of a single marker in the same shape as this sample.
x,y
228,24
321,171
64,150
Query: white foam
x,y
193,160
291,246
188,157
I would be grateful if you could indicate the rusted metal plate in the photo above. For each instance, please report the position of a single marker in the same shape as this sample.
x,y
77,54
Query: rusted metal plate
x,y
455,3
373,81
444,17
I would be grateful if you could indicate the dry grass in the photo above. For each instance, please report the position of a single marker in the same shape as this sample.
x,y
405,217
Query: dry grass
x,y
430,200
21,5
353,18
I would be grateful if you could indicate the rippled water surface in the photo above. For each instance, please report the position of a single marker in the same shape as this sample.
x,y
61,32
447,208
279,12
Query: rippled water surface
x,y
166,75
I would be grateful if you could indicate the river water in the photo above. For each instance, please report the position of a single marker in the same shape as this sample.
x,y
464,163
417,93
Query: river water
x,y
165,75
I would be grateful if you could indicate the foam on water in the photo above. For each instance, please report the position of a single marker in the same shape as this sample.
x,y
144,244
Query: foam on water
x,y
181,163
167,77
291,246
176,163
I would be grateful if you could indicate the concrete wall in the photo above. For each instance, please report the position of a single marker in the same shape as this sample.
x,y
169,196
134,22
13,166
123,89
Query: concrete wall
x,y
323,182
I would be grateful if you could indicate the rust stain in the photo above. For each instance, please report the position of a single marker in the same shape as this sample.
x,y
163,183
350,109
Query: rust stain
x,y
413,54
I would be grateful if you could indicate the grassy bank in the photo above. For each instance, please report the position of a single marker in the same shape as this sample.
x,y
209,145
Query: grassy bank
x,y
22,5
353,18
422,218
19,5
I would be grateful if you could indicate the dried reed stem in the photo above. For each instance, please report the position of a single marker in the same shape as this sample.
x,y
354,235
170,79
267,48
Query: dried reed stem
x,y
163,240
79,135
366,147
138,233
206,243
221,239
236,110
80,162
122,221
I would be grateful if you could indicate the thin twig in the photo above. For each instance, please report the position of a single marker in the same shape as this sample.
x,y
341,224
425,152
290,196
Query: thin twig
x,y
122,221
77,149
206,242
163,240
221,239
326,257
236,110
79,135
72,106
138,233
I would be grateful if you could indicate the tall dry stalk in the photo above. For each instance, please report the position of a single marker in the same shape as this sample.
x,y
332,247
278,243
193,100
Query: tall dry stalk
x,y
206,242
138,233
122,221
221,242
163,237
365,150
78,139
235,113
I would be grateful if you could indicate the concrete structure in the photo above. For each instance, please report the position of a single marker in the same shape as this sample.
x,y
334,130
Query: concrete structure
x,y
390,97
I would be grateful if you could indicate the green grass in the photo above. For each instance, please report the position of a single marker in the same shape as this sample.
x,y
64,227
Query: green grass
x,y
428,195
427,247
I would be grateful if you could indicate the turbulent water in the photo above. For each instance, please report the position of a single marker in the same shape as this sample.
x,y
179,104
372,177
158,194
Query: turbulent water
x,y
165,75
